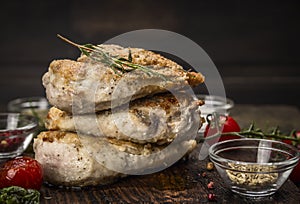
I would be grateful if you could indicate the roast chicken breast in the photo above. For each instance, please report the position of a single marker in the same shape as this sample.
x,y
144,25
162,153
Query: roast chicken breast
x,y
70,85
106,124
72,160
66,163
156,119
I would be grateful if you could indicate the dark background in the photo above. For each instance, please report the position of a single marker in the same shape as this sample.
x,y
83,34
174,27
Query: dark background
x,y
254,44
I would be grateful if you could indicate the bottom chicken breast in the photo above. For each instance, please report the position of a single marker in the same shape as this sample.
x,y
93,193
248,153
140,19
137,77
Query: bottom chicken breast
x,y
69,159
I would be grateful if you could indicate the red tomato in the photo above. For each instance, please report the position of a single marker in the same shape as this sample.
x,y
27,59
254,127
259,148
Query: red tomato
x,y
288,142
295,175
226,124
25,172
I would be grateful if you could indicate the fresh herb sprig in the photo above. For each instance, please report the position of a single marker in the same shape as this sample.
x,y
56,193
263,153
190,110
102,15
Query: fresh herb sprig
x,y
253,132
118,65
15,194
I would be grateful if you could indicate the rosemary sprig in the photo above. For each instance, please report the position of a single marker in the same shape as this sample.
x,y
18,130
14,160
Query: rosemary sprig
x,y
253,132
263,135
118,65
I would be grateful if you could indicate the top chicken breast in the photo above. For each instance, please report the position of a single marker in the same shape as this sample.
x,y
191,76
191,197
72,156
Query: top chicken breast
x,y
74,85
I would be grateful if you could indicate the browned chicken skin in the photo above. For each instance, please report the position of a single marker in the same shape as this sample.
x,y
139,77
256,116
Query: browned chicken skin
x,y
67,81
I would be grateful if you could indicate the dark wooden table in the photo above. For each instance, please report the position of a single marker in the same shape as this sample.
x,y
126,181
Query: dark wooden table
x,y
183,182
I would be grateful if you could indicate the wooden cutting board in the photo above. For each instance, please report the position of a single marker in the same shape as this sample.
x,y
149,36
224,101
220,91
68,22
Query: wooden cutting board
x,y
181,183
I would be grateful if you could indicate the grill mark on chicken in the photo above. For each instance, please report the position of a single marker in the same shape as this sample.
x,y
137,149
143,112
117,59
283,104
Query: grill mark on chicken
x,y
143,118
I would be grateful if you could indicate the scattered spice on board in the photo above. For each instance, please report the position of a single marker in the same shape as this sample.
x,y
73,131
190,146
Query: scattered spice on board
x,y
209,166
211,197
210,185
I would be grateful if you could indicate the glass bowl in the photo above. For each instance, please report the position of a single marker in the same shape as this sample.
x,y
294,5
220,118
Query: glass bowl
x,y
214,104
36,106
254,167
16,132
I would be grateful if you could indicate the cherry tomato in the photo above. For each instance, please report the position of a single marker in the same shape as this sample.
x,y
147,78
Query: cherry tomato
x,y
295,175
288,142
226,124
25,172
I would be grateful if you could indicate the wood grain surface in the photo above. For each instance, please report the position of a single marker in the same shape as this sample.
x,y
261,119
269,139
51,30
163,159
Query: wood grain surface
x,y
181,183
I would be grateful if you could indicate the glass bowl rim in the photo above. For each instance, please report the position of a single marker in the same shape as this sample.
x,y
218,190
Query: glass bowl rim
x,y
218,159
32,122
229,103
12,105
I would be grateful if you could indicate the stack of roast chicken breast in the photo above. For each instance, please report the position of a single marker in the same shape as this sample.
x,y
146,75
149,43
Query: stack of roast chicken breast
x,y
105,124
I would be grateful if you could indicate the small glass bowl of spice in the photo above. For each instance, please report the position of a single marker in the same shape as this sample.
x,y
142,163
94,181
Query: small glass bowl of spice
x,y
16,132
254,167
